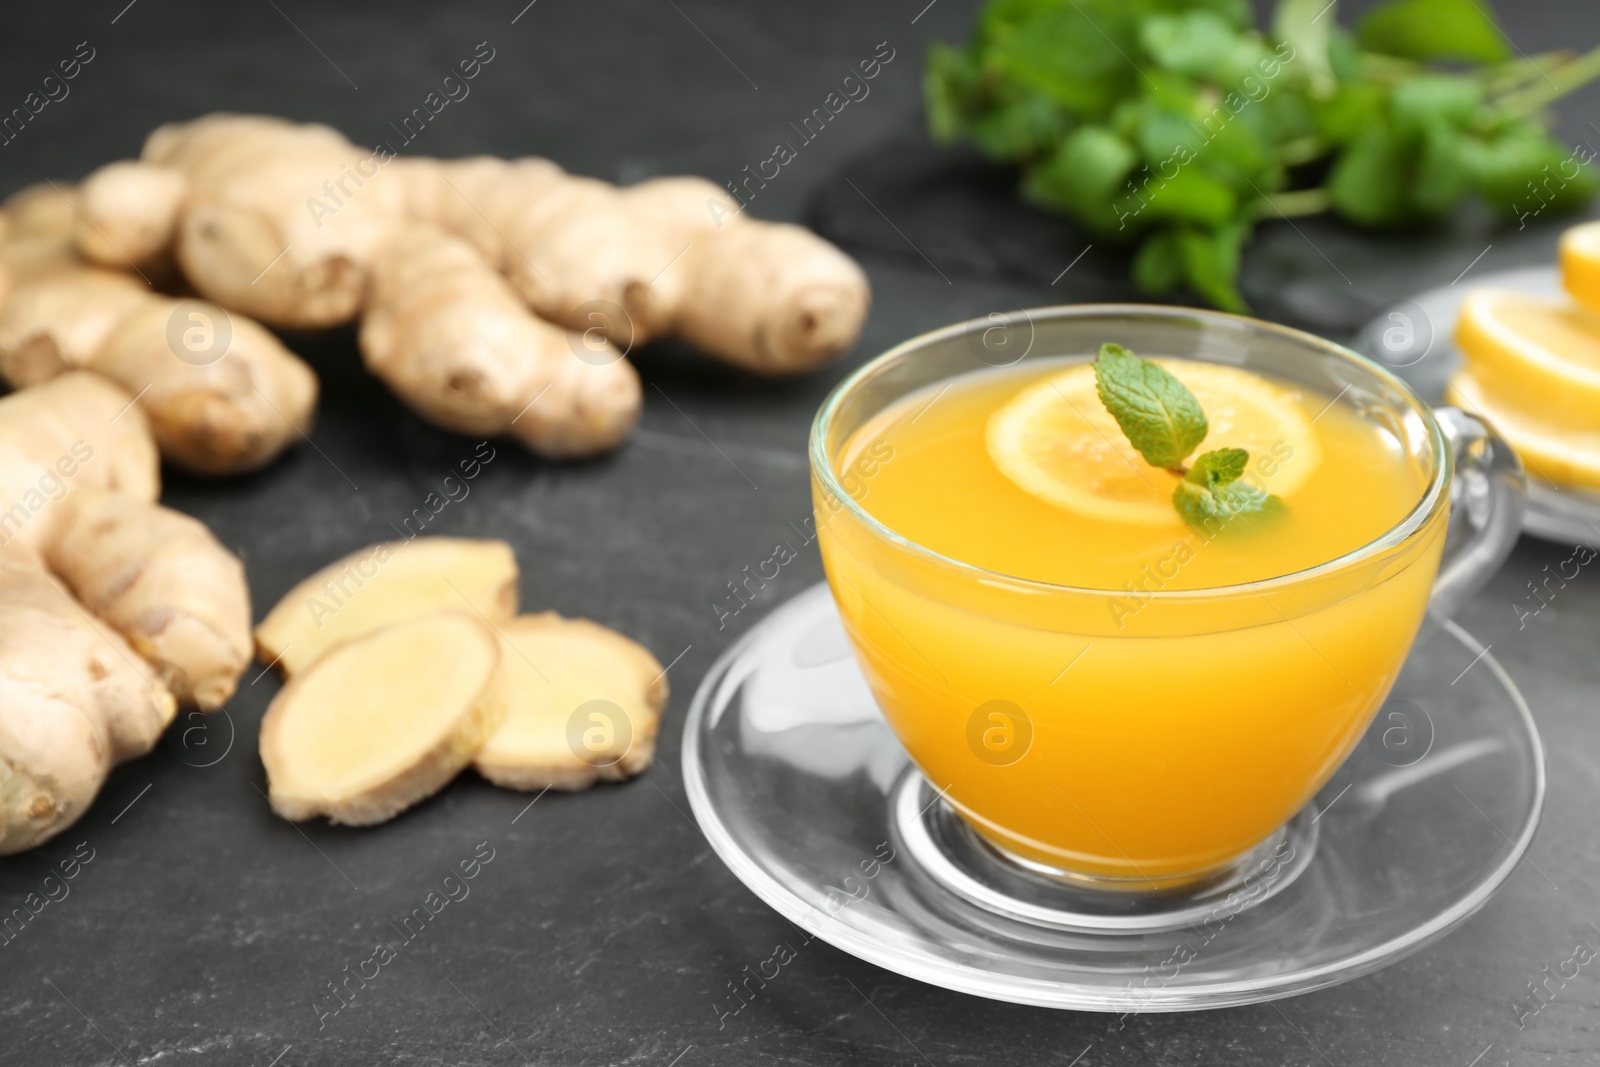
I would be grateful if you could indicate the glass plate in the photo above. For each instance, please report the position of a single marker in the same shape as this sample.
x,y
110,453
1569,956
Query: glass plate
x,y
1414,338
808,798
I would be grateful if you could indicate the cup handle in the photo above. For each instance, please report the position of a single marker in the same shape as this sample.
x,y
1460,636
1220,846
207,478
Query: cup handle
x,y
1487,500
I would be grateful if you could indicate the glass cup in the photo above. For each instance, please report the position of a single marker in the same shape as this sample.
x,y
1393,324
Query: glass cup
x,y
1161,748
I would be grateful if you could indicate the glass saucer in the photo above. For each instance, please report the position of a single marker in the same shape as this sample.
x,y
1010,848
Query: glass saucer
x,y
809,799
1414,339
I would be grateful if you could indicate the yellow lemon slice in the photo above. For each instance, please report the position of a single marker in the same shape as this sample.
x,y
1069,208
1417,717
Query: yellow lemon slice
x,y
1580,263
1541,354
1057,441
1562,457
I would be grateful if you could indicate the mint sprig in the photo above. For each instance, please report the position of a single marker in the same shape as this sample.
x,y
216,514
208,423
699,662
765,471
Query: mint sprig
x,y
1157,412
1181,124
1211,493
1164,422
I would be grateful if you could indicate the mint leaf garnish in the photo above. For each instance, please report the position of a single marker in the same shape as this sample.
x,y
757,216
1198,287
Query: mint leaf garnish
x,y
1209,510
1211,494
1163,420
1217,468
1157,413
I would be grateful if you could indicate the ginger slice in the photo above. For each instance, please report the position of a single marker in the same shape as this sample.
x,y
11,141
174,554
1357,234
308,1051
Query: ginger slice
x,y
384,720
384,584
585,704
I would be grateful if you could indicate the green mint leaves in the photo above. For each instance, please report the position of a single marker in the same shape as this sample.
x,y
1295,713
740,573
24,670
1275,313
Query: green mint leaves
x,y
1164,422
1218,468
1157,412
1212,494
1177,126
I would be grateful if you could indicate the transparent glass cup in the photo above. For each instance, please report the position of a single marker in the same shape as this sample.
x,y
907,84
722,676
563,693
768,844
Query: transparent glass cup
x,y
1045,715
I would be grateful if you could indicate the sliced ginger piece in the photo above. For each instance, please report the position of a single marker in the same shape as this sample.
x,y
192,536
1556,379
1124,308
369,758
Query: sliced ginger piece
x,y
384,584
383,720
584,706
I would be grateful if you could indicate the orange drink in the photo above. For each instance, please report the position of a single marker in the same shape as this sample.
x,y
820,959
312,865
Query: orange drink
x,y
1098,685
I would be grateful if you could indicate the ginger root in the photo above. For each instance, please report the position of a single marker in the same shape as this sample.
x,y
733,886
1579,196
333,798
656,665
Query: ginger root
x,y
162,580
383,584
585,705
257,188
74,700
296,226
442,261
669,256
384,720
677,256
37,227
442,329
78,471
450,337
134,209
78,482
223,394
75,430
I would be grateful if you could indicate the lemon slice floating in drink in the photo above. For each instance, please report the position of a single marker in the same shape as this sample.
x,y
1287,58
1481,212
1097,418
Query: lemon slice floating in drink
x,y
1057,441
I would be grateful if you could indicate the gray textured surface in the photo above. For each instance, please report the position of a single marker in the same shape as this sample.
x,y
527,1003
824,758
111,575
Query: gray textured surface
x,y
205,931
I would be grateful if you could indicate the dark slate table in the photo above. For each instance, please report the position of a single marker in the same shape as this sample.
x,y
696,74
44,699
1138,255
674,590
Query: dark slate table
x,y
604,931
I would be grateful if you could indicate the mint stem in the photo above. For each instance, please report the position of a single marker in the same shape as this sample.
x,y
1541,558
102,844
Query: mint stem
x,y
1293,205
1556,84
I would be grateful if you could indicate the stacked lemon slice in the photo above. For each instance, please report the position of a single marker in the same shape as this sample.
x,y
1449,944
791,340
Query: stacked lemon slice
x,y
1533,366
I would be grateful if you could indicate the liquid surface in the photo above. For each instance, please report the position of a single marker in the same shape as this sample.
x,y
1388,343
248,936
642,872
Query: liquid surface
x,y
941,488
